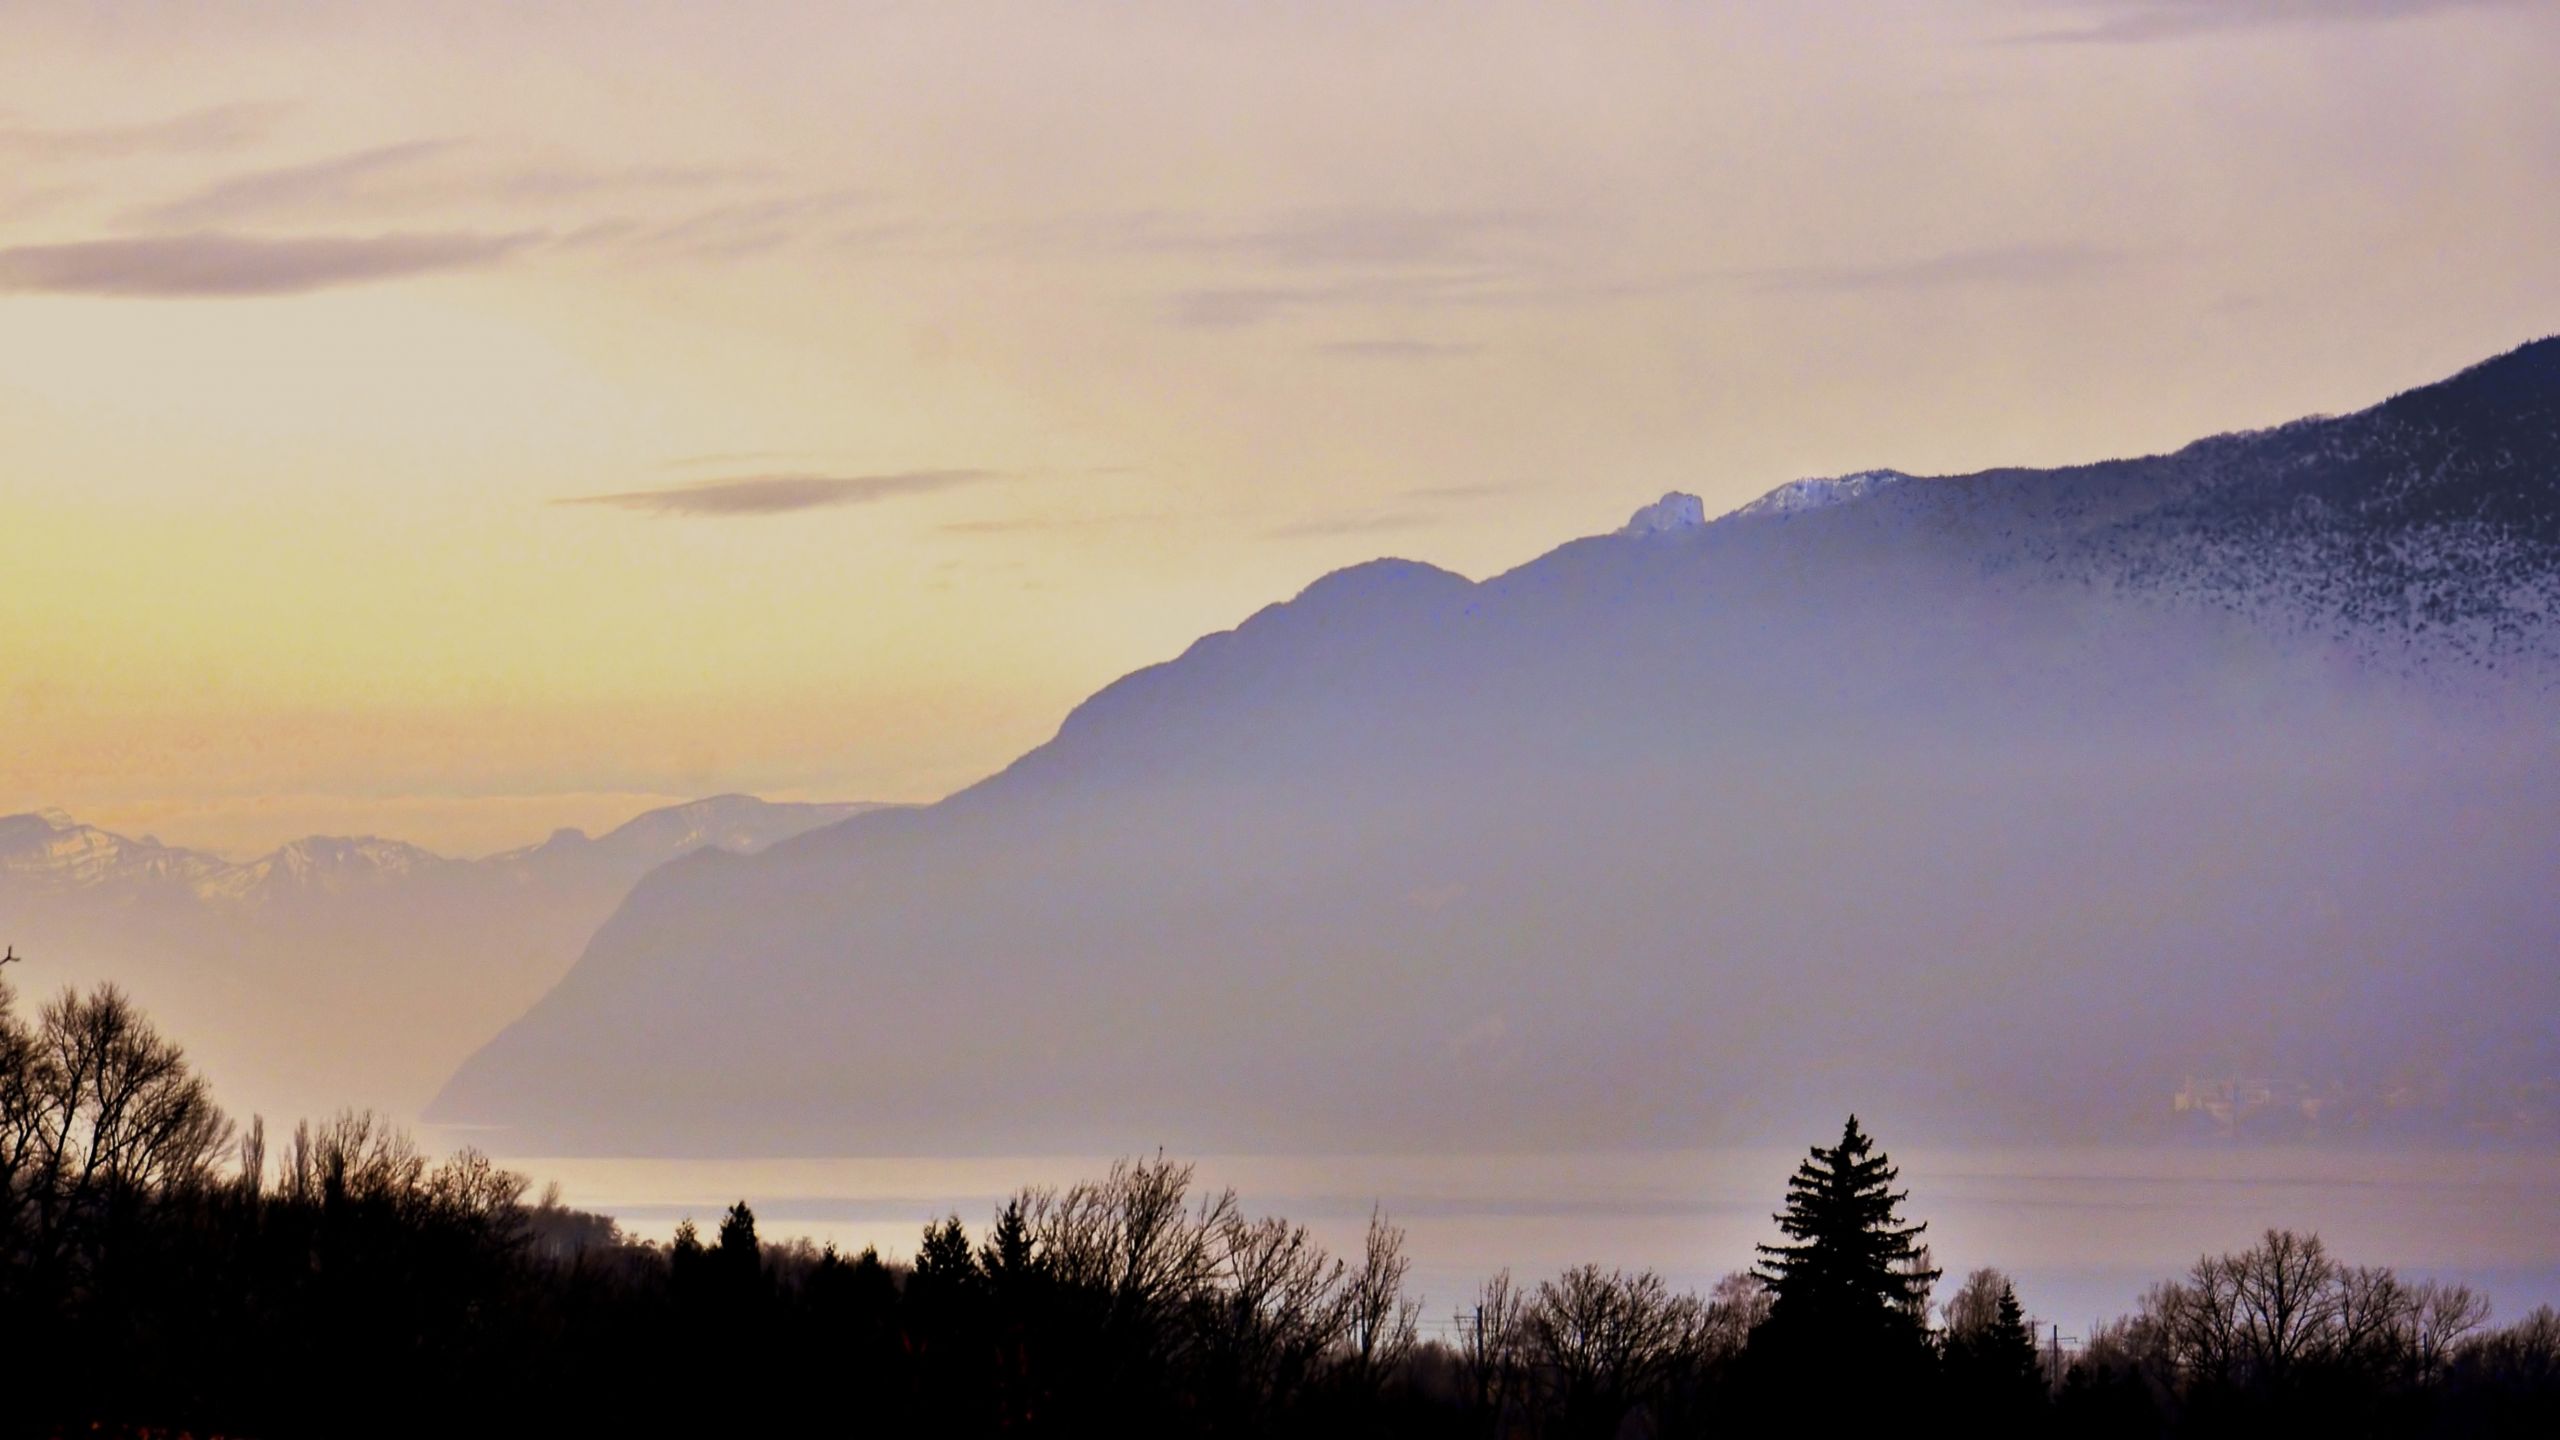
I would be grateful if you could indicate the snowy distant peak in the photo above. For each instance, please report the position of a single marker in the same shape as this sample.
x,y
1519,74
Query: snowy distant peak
x,y
1822,492
1673,513
333,863
48,852
1679,512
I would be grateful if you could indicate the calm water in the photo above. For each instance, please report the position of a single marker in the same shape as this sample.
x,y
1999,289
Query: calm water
x,y
2084,1231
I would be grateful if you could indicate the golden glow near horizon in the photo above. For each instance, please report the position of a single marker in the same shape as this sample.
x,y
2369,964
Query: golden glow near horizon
x,y
994,350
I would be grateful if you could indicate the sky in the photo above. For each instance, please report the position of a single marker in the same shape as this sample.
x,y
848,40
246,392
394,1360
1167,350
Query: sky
x,y
454,421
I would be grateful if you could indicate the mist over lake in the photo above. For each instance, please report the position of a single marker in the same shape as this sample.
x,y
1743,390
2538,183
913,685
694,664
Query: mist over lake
x,y
2083,1230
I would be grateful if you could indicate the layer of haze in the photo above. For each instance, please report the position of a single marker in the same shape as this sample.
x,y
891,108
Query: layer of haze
x,y
928,366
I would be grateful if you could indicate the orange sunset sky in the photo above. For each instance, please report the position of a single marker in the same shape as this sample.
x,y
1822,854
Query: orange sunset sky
x,y
452,421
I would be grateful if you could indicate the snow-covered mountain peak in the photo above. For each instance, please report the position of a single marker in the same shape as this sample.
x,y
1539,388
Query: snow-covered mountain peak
x,y
48,852
1674,512
320,855
1822,492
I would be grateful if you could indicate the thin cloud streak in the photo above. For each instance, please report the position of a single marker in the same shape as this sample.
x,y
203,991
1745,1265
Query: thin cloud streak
x,y
1388,520
1236,307
407,177
1332,526
214,264
732,231
218,127
1346,238
286,186
1399,349
1230,307
2144,21
1996,265
780,494
1336,238
1046,525
562,182
734,457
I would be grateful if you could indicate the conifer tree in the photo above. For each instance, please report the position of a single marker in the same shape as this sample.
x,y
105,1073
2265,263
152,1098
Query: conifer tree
x,y
1849,1274
1006,1256
738,1233
687,1261
2010,1348
739,1255
944,1261
1988,1359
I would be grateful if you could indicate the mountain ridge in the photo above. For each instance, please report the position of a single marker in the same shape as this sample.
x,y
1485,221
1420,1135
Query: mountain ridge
x,y
67,854
2146,750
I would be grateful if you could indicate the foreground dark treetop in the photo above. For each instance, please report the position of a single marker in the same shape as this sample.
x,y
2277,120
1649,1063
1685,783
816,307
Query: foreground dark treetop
x,y
152,1283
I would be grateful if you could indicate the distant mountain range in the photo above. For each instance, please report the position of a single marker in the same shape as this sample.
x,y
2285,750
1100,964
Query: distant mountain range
x,y
337,970
1987,805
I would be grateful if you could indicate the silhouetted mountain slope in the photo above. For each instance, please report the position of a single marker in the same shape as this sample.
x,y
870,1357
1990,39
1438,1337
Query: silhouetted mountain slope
x,y
338,970
2007,800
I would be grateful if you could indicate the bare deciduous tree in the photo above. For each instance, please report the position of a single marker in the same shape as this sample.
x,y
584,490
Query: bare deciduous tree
x,y
1280,1310
2287,1297
1737,1306
1380,1325
101,1109
1492,1348
2195,1323
2440,1317
355,1156
1605,1342
2523,1356
1135,1239
2265,1314
1975,1306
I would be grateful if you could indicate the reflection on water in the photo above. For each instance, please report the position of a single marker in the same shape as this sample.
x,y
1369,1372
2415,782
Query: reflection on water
x,y
2083,1230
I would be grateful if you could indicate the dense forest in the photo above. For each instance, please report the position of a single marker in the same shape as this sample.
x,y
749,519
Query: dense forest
x,y
163,1271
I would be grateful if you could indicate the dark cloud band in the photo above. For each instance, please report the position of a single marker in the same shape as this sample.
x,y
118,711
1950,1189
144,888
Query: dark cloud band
x,y
779,494
214,264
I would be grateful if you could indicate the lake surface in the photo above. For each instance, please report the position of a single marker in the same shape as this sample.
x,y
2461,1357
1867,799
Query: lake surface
x,y
2084,1231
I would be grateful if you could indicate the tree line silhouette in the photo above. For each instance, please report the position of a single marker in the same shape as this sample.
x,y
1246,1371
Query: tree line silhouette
x,y
164,1273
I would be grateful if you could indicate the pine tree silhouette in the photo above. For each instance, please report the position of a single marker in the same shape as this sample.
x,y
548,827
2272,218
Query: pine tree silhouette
x,y
1850,1282
739,1254
2011,1348
2010,1366
1989,1369
944,1260
1006,1257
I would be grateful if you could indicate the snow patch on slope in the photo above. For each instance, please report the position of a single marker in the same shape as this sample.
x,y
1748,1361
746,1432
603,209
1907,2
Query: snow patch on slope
x,y
1673,513
1822,492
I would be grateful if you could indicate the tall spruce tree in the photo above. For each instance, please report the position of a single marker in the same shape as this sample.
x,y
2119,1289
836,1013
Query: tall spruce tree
x,y
1851,1278
1006,1257
2009,1352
